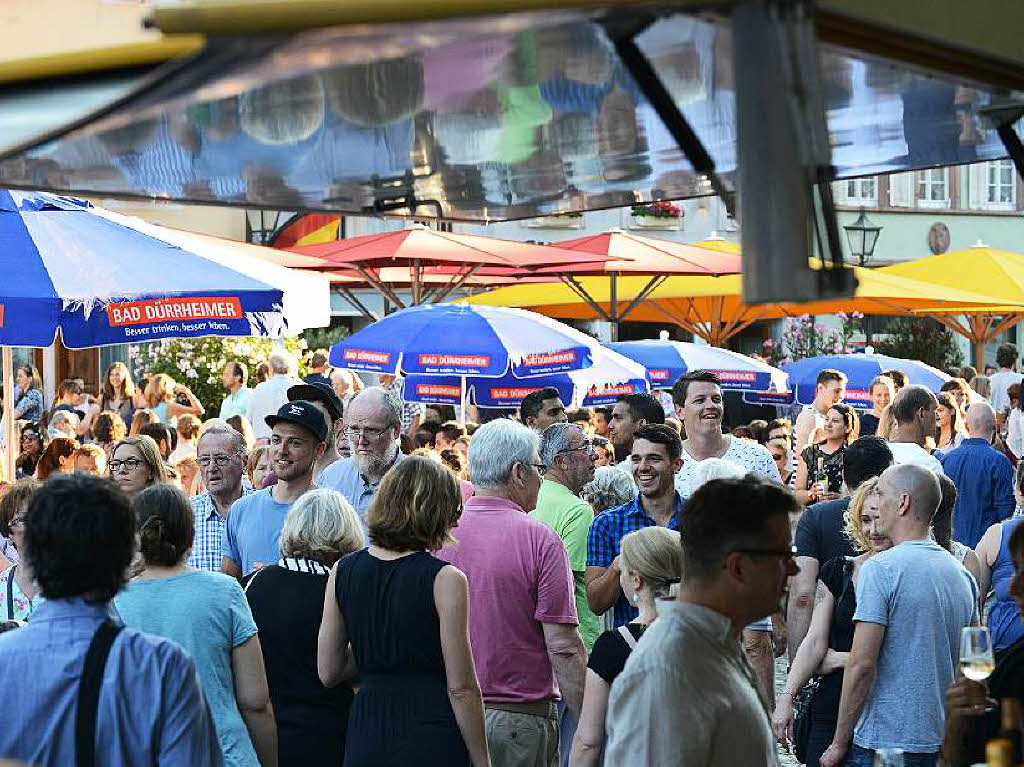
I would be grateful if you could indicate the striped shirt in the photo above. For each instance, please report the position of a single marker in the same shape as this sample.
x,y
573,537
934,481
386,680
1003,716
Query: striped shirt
x,y
206,547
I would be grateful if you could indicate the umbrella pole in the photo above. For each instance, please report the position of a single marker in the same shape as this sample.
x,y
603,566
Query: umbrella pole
x,y
8,382
462,399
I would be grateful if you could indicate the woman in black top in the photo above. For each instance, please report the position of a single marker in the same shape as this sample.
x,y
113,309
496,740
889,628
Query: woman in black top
x,y
406,614
882,391
825,648
287,601
648,564
841,428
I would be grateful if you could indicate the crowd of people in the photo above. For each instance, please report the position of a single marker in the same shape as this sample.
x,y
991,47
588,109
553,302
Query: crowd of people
x,y
327,573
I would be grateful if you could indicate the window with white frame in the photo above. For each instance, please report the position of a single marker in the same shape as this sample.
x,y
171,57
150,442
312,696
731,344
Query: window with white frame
x,y
1001,183
862,191
933,188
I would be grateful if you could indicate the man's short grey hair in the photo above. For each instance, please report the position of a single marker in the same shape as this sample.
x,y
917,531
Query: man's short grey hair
x,y
610,487
390,401
281,362
496,447
321,525
555,440
218,428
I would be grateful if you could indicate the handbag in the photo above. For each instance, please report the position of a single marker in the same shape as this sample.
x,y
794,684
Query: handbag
x,y
802,700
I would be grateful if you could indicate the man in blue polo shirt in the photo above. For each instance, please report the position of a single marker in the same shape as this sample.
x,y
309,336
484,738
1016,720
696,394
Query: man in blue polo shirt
x,y
655,459
297,440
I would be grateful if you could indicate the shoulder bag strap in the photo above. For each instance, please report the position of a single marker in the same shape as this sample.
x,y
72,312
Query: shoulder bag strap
x,y
10,592
89,692
628,636
847,579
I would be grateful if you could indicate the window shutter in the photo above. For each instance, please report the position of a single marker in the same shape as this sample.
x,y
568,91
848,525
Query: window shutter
x,y
977,186
901,190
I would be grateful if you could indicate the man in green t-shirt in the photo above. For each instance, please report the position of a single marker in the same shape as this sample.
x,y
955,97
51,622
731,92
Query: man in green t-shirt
x,y
568,456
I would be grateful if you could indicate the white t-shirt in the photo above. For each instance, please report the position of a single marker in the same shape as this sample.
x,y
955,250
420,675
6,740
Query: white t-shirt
x,y
911,452
753,456
1002,381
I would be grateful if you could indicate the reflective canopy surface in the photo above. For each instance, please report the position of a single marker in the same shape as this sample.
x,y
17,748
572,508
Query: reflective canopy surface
x,y
477,119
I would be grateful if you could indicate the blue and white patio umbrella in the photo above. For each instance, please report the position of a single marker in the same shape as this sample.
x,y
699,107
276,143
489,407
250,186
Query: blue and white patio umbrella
x,y
65,267
459,342
610,376
667,360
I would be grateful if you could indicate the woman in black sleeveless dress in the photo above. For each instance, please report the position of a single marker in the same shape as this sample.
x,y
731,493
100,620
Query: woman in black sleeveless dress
x,y
406,615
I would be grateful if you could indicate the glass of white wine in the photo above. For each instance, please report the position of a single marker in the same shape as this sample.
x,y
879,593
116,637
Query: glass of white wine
x,y
976,659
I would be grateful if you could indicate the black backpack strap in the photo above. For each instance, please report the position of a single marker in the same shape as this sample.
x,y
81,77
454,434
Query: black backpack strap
x,y
89,692
10,592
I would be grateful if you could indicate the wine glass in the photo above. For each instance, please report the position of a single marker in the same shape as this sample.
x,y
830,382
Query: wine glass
x,y
976,659
888,757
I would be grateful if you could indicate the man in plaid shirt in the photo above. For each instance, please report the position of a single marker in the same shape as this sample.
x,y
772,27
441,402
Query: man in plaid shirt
x,y
221,459
655,459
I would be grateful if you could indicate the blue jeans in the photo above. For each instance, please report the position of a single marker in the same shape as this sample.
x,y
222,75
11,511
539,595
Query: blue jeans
x,y
865,757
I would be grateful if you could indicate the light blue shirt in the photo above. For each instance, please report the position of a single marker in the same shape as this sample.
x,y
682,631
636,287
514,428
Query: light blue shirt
x,y
343,475
152,710
208,615
252,530
236,404
924,597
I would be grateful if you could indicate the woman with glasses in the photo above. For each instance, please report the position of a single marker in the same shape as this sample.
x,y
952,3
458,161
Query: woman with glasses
x,y
18,593
135,464
33,442
824,651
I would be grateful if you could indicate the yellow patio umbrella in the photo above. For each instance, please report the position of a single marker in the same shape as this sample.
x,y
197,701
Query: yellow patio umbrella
x,y
993,271
711,307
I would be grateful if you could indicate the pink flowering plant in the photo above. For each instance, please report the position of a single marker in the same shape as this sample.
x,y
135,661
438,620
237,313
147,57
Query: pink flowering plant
x,y
197,362
803,337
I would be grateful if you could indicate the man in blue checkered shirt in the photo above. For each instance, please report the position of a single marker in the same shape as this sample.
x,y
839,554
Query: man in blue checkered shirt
x,y
221,458
655,459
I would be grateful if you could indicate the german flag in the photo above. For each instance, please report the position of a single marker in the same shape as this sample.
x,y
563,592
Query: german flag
x,y
307,229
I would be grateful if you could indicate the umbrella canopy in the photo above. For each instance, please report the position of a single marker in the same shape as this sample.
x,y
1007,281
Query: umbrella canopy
x,y
66,267
860,370
610,376
460,256
993,271
462,340
667,360
629,253
712,307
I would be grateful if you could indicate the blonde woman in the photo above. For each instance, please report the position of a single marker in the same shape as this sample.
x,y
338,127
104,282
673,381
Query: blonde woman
x,y
287,601
650,563
135,464
827,645
882,391
160,393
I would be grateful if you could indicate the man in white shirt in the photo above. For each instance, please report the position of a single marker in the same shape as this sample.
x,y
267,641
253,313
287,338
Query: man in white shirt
x,y
737,554
829,389
1006,358
268,397
914,411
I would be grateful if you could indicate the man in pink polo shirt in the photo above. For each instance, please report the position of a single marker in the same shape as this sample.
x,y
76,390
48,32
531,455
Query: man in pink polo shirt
x,y
522,616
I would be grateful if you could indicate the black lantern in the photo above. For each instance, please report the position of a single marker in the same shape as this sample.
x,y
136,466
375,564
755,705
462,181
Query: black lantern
x,y
862,236
261,225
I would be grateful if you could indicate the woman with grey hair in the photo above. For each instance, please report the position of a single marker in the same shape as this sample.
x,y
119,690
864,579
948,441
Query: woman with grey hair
x,y
610,487
287,601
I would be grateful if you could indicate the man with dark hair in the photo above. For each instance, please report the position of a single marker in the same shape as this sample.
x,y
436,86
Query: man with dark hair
x,y
654,461
539,409
582,417
602,421
318,368
161,434
912,603
914,413
447,435
234,378
632,412
821,536
736,559
829,389
1006,358
73,519
323,397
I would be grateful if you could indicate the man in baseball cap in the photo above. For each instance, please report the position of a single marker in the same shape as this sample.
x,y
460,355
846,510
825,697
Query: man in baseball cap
x,y
326,400
298,439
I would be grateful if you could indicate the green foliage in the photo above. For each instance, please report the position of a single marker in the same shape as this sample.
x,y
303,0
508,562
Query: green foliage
x,y
921,339
198,362
325,338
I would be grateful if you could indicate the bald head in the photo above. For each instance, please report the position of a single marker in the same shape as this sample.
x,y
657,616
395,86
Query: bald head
x,y
981,421
913,488
375,402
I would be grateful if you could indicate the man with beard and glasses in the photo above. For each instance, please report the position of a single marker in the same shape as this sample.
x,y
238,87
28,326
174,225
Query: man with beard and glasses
x,y
221,459
655,461
298,439
372,426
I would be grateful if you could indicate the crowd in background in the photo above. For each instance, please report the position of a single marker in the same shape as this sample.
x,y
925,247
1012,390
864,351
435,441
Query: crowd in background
x,y
352,577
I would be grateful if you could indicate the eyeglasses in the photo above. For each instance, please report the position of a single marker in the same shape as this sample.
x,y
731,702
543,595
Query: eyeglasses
x,y
368,432
18,520
541,468
587,446
131,464
220,460
789,553
31,435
